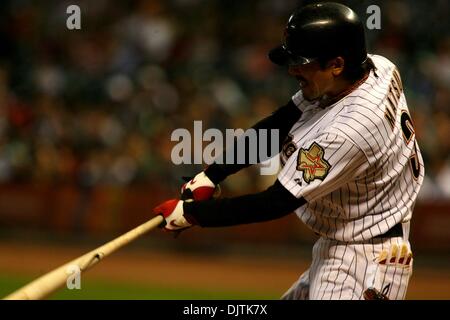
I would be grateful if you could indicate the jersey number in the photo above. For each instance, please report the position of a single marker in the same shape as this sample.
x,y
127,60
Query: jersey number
x,y
408,134
395,90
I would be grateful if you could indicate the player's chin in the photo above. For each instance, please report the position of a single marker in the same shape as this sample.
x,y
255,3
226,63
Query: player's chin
x,y
308,95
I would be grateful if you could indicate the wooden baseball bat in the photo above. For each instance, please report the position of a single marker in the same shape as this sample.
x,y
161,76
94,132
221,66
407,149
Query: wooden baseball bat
x,y
53,280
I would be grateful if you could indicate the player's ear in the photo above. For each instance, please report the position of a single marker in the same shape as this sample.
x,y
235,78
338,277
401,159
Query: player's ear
x,y
337,65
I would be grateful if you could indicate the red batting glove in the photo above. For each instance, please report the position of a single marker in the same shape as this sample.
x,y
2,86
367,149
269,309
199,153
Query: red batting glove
x,y
172,211
200,188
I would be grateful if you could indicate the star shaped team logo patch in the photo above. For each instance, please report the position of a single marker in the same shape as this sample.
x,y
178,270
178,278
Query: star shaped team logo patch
x,y
312,164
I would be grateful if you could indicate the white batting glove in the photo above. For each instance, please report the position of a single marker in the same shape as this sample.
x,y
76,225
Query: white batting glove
x,y
393,265
396,255
200,188
172,211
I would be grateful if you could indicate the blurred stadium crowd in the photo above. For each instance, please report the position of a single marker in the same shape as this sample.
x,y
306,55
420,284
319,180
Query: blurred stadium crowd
x,y
97,105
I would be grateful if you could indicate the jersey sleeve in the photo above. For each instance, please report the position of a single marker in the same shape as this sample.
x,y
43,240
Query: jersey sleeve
x,y
321,166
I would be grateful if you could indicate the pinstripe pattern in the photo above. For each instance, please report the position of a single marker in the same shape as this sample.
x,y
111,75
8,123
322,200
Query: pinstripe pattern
x,y
369,188
344,270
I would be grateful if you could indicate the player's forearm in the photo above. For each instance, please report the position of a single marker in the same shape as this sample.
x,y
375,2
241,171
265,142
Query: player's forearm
x,y
282,119
273,203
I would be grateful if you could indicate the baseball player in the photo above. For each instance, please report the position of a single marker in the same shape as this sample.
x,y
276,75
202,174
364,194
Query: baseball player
x,y
352,167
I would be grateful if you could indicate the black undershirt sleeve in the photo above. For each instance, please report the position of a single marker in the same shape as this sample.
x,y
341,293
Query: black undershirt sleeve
x,y
282,119
273,203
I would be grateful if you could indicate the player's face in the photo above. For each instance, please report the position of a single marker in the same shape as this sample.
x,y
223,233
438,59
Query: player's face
x,y
314,81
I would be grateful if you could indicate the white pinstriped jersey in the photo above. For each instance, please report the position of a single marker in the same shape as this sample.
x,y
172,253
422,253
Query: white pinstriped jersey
x,y
356,162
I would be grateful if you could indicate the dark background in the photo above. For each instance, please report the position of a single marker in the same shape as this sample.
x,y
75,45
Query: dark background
x,y
86,115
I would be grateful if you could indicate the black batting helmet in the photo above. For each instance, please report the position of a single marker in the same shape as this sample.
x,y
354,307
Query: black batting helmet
x,y
321,31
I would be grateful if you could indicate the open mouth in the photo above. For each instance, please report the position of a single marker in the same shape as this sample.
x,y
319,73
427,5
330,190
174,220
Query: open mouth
x,y
302,82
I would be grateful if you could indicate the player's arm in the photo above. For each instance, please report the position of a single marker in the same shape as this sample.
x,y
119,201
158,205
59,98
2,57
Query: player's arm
x,y
273,203
282,119
204,185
